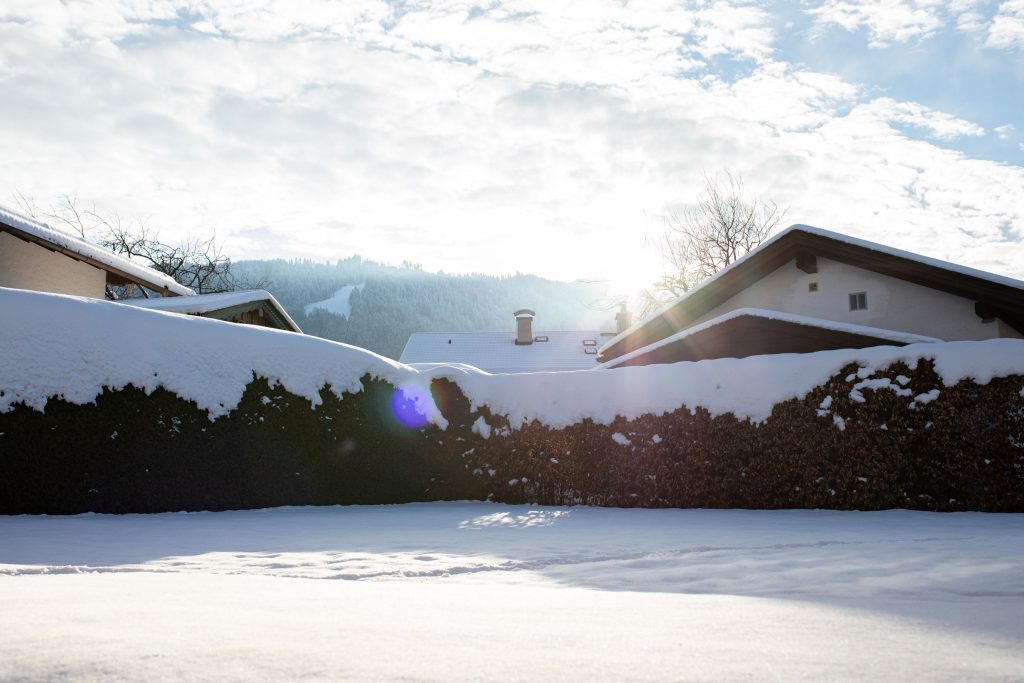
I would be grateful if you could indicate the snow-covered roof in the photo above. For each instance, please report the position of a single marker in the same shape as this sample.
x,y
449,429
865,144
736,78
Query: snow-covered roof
x,y
899,253
97,256
497,352
764,314
897,262
201,304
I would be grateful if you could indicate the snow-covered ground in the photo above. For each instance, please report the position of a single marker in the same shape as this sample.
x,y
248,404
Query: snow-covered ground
x,y
338,303
475,591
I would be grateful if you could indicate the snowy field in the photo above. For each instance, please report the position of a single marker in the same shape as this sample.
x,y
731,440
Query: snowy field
x,y
338,303
474,591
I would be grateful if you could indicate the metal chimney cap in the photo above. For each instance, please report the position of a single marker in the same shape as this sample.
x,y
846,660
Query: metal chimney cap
x,y
524,312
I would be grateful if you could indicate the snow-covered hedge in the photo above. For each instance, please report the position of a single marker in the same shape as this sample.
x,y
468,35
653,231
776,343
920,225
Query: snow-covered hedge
x,y
896,437
113,408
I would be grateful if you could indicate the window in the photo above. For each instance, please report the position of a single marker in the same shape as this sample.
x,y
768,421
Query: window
x,y
812,286
858,301
590,342
590,351
541,338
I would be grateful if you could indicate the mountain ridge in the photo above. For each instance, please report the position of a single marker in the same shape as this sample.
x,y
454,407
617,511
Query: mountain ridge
x,y
395,301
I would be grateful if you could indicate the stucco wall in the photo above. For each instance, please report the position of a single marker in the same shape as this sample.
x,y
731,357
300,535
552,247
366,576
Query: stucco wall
x,y
893,304
28,266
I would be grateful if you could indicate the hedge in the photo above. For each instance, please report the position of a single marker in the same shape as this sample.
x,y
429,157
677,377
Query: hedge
x,y
912,444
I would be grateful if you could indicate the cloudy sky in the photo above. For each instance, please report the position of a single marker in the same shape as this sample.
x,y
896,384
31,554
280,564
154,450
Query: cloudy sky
x,y
531,135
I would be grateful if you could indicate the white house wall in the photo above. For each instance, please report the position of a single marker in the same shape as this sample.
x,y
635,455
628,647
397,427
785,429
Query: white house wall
x,y
24,265
893,304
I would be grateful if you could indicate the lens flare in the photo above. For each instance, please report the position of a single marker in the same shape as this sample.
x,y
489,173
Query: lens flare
x,y
409,405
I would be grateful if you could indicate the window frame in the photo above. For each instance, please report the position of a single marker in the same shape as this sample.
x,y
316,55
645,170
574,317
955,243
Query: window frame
x,y
858,301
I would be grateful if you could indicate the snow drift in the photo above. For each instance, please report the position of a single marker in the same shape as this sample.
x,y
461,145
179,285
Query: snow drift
x,y
71,348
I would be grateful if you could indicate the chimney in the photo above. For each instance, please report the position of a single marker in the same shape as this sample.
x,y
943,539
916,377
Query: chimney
x,y
524,326
623,319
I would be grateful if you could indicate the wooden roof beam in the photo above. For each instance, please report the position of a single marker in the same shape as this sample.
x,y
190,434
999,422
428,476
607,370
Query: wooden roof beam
x,y
807,262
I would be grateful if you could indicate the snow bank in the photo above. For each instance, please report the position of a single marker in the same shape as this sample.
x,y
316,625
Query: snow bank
x,y
72,347
747,387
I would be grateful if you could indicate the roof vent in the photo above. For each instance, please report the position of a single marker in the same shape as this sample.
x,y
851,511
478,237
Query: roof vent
x,y
524,326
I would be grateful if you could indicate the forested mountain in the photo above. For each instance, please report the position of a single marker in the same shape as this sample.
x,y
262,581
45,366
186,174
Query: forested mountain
x,y
395,301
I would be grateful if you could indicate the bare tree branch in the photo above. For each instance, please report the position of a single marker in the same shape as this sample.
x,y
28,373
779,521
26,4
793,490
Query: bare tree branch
x,y
718,229
198,263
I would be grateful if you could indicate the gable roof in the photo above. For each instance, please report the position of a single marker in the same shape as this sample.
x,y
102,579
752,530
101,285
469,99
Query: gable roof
x,y
119,269
222,305
757,331
497,352
996,296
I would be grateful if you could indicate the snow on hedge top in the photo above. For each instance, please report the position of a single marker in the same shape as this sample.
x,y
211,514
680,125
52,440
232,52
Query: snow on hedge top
x,y
73,243
72,347
747,387
57,345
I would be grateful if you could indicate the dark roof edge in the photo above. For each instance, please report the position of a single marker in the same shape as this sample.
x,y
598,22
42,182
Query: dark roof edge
x,y
881,334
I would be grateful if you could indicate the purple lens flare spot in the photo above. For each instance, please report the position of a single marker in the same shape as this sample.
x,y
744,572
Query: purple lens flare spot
x,y
409,405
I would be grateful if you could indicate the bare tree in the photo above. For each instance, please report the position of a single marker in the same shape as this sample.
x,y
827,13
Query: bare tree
x,y
706,237
198,263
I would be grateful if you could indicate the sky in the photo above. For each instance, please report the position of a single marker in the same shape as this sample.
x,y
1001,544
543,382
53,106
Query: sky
x,y
531,136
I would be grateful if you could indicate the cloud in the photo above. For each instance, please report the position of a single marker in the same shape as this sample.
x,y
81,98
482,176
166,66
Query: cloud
x,y
889,22
524,135
886,21
937,124
968,14
1007,29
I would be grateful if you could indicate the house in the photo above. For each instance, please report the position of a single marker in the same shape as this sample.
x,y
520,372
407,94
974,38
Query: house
x,y
808,289
507,352
250,307
36,256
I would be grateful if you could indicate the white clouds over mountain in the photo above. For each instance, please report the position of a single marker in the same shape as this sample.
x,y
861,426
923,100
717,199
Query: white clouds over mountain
x,y
543,137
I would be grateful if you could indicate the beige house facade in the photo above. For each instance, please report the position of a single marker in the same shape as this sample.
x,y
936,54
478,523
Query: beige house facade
x,y
36,256
24,265
808,289
890,303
